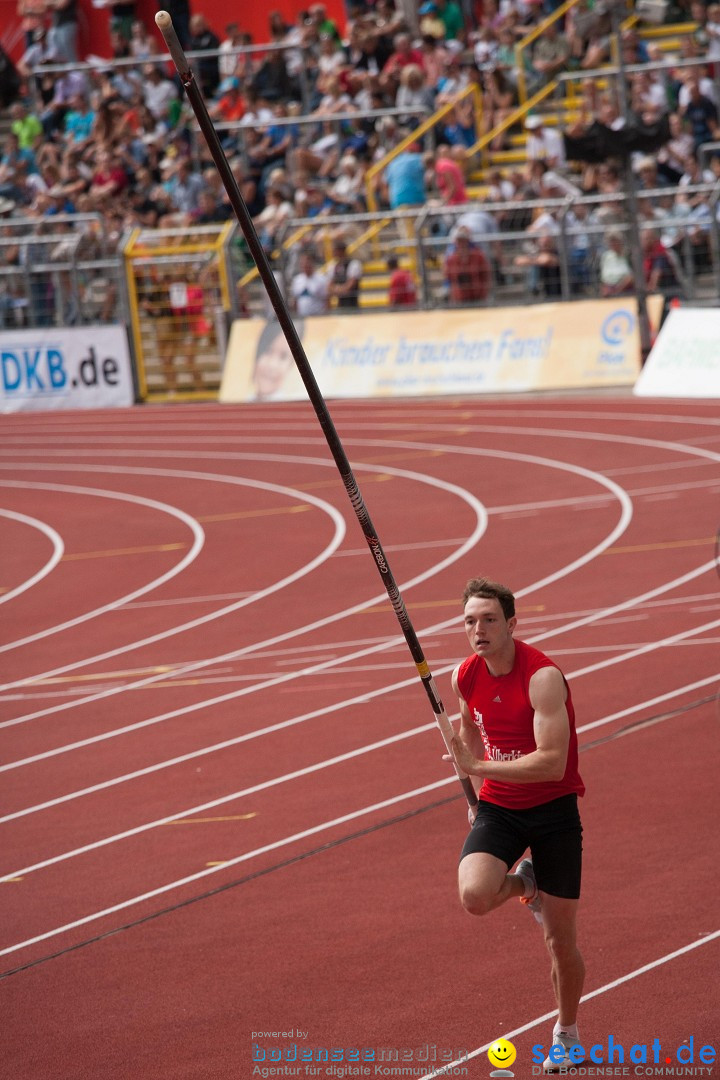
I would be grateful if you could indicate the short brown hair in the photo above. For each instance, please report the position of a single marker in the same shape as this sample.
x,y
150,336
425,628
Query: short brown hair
x,y
490,590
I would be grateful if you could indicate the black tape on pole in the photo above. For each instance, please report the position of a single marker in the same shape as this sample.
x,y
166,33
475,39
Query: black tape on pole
x,y
164,24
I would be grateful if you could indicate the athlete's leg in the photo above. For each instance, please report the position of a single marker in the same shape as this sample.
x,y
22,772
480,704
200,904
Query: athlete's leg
x,y
568,969
484,883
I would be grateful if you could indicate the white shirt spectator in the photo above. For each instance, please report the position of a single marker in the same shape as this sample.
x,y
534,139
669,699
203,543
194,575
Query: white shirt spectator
x,y
310,292
545,144
158,96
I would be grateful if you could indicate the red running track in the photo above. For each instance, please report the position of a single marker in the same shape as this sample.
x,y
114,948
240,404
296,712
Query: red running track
x,y
224,809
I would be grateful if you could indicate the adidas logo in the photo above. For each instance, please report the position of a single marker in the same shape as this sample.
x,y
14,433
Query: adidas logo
x,y
498,698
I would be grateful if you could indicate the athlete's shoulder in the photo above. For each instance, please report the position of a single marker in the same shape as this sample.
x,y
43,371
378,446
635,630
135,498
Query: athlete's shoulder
x,y
465,674
530,658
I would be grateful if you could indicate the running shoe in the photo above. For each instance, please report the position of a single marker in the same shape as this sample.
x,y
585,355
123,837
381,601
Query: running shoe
x,y
525,871
566,1042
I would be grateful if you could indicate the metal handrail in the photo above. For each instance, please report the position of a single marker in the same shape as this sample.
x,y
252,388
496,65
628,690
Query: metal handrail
x,y
534,34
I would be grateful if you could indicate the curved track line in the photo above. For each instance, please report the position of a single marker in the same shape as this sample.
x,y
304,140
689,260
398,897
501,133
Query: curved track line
x,y
625,517
368,695
612,487
334,515
480,527
309,770
57,552
153,504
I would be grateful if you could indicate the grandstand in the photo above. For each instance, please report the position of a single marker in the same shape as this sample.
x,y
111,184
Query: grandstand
x,y
391,132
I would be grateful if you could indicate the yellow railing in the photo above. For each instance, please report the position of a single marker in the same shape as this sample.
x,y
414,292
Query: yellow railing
x,y
470,91
515,117
529,39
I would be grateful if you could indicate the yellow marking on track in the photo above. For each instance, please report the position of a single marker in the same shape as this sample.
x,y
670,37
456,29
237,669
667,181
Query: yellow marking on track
x,y
9,879
659,546
222,862
300,508
121,551
205,820
104,675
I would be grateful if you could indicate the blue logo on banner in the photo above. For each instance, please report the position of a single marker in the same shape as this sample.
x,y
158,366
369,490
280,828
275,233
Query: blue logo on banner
x,y
30,371
617,327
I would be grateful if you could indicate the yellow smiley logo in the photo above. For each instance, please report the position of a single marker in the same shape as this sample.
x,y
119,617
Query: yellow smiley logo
x,y
502,1054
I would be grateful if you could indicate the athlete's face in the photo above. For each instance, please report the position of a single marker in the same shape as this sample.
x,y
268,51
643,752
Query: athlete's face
x,y
488,631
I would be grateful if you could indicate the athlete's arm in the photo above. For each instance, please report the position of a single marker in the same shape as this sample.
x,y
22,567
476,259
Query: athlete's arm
x,y
468,733
551,728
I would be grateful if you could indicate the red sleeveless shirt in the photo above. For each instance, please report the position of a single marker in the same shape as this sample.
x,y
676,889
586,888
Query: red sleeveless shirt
x,y
500,709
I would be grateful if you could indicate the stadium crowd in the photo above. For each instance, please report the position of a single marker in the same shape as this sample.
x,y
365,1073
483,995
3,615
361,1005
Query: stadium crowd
x,y
118,141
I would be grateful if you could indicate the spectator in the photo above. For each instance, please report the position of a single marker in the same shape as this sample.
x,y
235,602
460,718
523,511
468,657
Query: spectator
x,y
701,114
25,125
414,94
543,265
551,54
230,105
403,54
660,275
499,100
346,192
272,81
431,25
271,220
404,180
467,270
159,92
452,19
449,176
309,288
207,67
64,30
179,12
544,144
141,44
229,62
401,290
616,275
344,276
32,14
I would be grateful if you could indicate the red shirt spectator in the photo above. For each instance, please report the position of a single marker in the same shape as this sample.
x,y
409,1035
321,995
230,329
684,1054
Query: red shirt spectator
x,y
449,178
468,271
402,292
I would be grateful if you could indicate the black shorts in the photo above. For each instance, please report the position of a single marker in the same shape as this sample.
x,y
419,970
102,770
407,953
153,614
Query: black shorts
x,y
552,831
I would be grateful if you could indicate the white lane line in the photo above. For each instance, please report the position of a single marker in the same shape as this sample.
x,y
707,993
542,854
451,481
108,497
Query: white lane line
x,y
621,526
275,845
306,771
57,552
137,500
231,862
480,527
290,493
620,981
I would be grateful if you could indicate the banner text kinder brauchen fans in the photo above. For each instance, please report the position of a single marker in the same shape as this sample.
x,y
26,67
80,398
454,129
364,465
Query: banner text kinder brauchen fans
x,y
543,347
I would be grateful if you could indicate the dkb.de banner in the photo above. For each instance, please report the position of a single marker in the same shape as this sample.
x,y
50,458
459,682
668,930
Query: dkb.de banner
x,y
543,347
55,368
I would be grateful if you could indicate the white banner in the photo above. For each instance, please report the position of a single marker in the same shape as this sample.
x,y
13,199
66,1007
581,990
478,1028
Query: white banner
x,y
52,368
685,360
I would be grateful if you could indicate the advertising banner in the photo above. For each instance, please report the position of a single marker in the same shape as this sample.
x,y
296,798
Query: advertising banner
x,y
685,360
56,368
473,351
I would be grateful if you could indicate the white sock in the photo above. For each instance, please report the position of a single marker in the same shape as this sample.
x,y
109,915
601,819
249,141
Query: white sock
x,y
529,891
566,1029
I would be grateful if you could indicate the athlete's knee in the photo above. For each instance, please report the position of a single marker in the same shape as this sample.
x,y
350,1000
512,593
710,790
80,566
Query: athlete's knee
x,y
475,899
561,944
